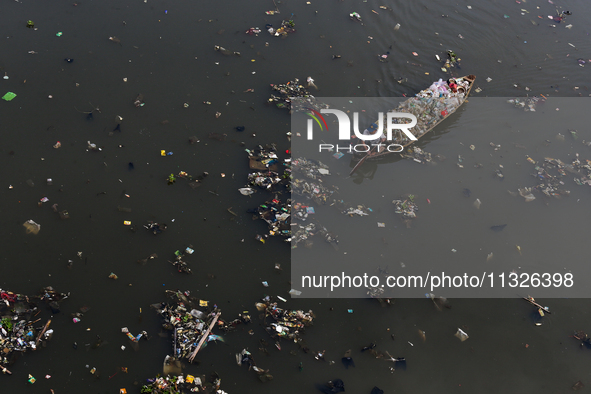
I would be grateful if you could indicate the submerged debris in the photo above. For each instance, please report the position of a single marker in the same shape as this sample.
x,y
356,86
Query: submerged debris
x,y
225,51
527,103
52,298
438,301
526,194
32,227
245,357
139,101
583,337
155,228
333,386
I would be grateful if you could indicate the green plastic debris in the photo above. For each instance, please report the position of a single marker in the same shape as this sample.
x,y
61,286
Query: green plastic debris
x,y
59,34
9,96
30,24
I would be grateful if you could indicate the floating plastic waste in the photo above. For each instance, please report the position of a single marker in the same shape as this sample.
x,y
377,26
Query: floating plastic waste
x,y
461,335
32,227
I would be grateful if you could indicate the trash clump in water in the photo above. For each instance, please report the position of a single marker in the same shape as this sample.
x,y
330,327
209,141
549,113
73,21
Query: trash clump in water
x,y
32,227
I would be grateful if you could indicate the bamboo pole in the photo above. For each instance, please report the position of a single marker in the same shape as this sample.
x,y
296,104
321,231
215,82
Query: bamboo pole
x,y
204,337
534,303
361,161
43,332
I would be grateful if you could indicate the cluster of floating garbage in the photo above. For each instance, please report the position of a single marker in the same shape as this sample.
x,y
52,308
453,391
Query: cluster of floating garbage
x,y
286,27
178,384
407,207
264,180
418,155
18,330
308,180
277,215
304,232
286,91
266,161
286,323
551,175
315,191
421,156
191,322
193,181
179,260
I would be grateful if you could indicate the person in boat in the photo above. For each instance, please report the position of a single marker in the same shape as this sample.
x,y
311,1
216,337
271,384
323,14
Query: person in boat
x,y
453,86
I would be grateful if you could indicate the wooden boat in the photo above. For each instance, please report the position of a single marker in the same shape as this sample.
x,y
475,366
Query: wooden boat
x,y
431,107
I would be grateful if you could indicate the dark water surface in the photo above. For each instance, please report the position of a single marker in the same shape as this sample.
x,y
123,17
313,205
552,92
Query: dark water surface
x,y
166,53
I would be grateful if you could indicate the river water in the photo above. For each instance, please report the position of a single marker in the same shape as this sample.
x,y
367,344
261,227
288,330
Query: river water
x,y
166,54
